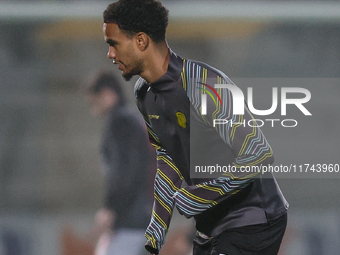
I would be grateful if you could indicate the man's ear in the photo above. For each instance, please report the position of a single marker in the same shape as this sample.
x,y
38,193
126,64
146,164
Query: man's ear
x,y
142,40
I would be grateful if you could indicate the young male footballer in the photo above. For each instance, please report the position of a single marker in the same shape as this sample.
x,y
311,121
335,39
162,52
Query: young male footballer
x,y
235,213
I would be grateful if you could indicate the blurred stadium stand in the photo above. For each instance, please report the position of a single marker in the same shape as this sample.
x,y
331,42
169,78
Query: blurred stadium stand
x,y
49,144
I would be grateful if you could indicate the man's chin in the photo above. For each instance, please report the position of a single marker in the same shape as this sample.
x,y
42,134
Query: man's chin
x,y
128,76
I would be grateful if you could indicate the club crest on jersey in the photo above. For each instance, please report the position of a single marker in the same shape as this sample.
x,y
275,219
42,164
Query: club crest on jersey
x,y
182,120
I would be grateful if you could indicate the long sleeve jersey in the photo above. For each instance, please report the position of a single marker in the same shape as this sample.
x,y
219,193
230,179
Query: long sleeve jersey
x,y
183,136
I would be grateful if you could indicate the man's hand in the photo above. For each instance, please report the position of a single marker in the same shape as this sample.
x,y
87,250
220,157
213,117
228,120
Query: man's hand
x,y
151,250
104,220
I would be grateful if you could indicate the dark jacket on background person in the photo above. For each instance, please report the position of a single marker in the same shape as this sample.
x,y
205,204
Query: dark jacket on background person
x,y
126,158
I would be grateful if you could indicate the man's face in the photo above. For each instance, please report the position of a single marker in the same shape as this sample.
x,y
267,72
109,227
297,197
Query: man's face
x,y
123,50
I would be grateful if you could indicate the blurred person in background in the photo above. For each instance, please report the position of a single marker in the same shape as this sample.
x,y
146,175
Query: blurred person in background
x,y
125,152
236,213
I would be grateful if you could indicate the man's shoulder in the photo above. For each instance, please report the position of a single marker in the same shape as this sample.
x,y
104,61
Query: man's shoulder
x,y
192,67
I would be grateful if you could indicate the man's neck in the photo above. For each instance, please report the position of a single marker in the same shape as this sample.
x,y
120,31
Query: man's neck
x,y
157,62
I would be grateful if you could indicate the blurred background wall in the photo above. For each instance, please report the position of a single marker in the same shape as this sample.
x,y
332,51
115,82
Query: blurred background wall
x,y
49,161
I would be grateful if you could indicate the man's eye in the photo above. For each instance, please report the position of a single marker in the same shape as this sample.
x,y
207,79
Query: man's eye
x,y
112,43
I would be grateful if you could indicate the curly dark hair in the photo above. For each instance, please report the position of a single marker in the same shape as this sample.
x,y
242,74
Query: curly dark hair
x,y
133,16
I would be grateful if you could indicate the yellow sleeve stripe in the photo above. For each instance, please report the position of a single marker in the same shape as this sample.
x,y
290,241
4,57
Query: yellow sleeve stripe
x,y
267,155
161,202
240,121
152,240
152,134
219,190
159,219
156,146
246,140
171,165
199,199
204,75
218,106
167,179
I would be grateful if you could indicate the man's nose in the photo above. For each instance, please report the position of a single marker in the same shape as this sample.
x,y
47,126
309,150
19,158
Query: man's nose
x,y
112,53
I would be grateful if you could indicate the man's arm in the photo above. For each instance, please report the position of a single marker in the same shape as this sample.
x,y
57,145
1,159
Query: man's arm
x,y
167,181
251,149
246,140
